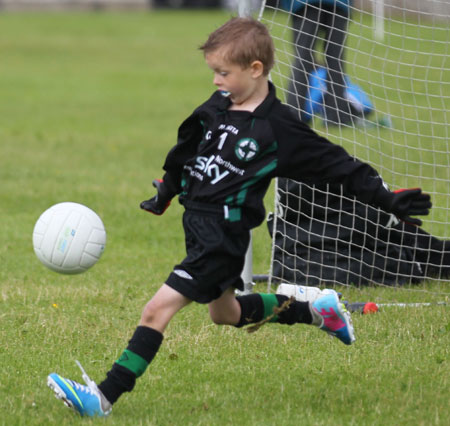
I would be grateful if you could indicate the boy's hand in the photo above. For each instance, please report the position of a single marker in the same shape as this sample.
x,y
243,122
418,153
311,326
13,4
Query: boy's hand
x,y
409,202
159,203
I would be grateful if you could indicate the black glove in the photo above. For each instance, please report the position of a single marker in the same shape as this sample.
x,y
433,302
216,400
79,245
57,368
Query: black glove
x,y
405,203
159,203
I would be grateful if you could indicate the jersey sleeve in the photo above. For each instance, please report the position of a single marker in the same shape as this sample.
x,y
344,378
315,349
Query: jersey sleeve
x,y
308,157
190,134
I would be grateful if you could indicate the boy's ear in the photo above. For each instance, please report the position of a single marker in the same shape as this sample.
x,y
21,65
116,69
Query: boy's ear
x,y
257,69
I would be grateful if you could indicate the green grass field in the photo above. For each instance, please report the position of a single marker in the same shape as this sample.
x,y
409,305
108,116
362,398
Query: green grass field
x,y
89,106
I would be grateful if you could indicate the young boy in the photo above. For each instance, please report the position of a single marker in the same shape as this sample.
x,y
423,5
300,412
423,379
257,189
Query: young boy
x,y
228,151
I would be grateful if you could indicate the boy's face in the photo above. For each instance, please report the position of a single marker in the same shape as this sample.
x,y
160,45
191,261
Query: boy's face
x,y
228,77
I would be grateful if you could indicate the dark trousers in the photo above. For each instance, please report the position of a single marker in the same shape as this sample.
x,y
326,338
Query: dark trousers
x,y
307,24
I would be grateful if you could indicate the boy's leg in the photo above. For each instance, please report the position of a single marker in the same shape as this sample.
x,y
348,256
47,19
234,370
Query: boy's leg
x,y
162,307
93,400
326,312
225,310
253,308
144,343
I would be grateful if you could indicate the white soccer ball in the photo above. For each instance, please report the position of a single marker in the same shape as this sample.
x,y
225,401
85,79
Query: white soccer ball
x,y
69,238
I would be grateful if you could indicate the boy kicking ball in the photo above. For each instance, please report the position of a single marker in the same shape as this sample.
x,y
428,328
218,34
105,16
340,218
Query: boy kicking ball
x,y
227,153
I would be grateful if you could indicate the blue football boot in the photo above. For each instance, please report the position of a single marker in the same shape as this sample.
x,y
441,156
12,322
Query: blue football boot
x,y
85,400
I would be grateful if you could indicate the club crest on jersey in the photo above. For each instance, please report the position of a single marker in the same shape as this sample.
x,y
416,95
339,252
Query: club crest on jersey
x,y
246,149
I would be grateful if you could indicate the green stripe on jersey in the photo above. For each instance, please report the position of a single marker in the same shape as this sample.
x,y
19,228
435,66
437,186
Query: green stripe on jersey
x,y
242,194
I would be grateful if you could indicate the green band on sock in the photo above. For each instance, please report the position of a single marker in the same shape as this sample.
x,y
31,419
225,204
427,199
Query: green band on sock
x,y
270,301
133,362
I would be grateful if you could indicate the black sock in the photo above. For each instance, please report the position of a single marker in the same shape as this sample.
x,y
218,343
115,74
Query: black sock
x,y
252,309
256,307
297,312
141,350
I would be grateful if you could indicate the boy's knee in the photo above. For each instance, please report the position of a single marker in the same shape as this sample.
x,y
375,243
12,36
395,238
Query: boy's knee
x,y
216,317
150,312
221,318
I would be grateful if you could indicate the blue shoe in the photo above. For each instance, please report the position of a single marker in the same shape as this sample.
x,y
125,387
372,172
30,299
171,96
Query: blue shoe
x,y
85,400
332,316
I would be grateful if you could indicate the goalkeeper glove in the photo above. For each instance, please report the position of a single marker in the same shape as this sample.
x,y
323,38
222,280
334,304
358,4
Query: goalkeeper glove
x,y
159,203
405,203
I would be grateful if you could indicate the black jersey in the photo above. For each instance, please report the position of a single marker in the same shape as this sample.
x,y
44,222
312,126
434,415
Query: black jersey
x,y
228,158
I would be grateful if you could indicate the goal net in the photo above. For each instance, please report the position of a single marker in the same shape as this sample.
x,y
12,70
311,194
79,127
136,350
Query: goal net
x,y
394,89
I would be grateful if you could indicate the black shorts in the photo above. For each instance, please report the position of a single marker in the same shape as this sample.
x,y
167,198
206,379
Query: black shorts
x,y
215,256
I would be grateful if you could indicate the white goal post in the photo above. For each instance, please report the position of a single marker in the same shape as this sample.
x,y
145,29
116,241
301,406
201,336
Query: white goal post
x,y
397,57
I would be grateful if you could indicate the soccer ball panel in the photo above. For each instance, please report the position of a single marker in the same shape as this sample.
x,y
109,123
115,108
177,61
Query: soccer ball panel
x,y
69,238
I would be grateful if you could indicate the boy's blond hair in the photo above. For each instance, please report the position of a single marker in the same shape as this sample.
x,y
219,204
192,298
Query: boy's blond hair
x,y
246,40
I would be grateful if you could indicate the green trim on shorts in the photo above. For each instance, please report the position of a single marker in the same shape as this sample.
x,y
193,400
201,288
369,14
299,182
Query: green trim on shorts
x,y
133,362
270,301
